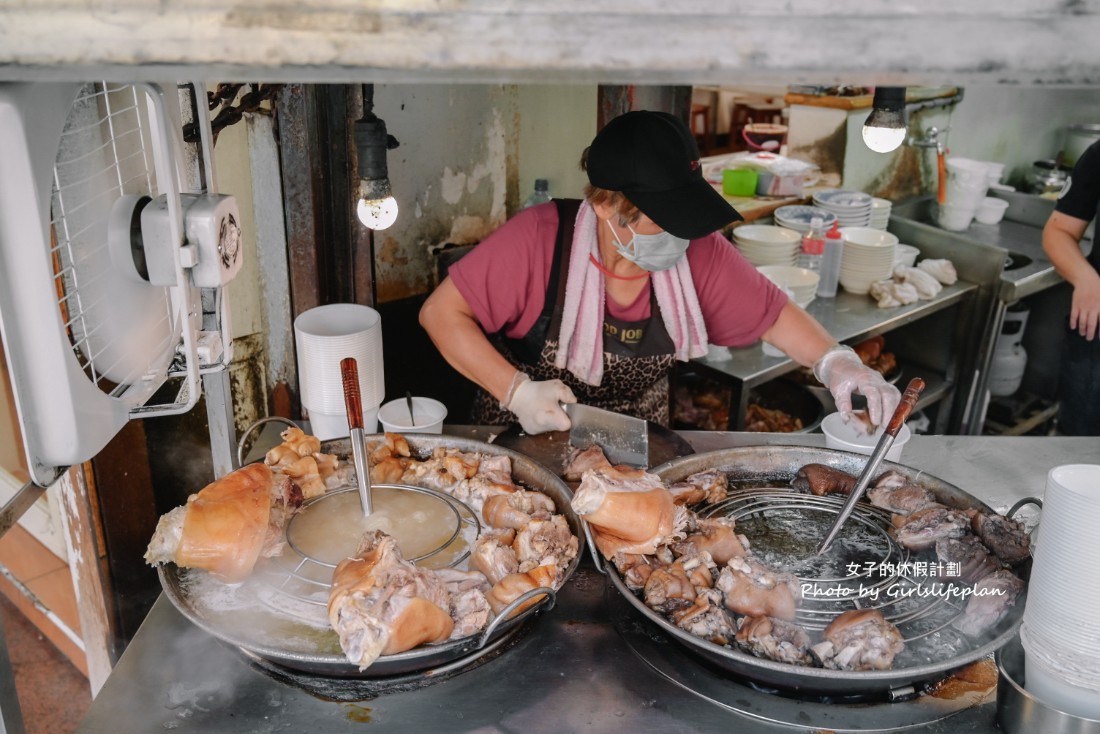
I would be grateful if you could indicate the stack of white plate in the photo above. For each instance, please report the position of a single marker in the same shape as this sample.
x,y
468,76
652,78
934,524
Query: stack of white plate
x,y
765,244
852,208
868,256
880,212
799,218
801,282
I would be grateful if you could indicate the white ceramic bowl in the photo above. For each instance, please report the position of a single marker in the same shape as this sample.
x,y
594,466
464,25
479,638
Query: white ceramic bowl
x,y
427,417
991,210
868,237
793,277
846,437
765,234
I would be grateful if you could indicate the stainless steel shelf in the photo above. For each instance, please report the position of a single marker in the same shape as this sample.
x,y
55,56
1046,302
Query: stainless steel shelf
x,y
850,318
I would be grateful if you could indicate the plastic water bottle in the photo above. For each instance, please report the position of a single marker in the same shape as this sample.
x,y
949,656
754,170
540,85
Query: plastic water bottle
x,y
830,263
540,195
813,247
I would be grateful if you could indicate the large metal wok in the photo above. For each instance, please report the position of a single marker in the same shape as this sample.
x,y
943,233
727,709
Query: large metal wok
x,y
276,633
775,466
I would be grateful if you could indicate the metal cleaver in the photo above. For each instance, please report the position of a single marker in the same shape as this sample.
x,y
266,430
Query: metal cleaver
x,y
623,438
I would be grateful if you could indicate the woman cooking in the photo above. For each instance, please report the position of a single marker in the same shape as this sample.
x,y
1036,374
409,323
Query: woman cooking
x,y
595,300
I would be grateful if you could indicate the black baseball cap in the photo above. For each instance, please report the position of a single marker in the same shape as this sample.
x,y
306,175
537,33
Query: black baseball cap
x,y
652,158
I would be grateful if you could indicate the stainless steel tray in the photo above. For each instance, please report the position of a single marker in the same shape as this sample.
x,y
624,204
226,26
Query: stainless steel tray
x,y
299,646
777,465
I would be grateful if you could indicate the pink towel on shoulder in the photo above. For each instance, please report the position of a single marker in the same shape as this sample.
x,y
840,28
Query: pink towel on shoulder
x,y
580,342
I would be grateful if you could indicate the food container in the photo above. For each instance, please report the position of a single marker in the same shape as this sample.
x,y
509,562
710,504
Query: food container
x,y
427,416
739,181
794,400
1046,177
905,255
991,210
846,436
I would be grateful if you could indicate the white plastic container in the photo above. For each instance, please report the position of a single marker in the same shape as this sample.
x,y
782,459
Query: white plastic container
x,y
991,210
846,436
427,417
954,218
327,426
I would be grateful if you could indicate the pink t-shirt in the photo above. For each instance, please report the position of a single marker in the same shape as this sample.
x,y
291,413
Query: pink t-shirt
x,y
504,281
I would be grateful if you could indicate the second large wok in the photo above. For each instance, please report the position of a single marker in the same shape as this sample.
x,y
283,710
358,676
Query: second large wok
x,y
775,466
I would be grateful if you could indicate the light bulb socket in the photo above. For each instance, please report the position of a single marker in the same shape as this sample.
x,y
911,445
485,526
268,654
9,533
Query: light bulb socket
x,y
889,98
371,142
888,111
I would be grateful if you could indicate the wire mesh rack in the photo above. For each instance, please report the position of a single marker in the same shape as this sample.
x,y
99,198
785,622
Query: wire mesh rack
x,y
865,568
121,331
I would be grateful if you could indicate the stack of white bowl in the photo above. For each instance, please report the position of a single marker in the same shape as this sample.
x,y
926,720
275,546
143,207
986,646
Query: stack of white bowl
x,y
799,217
852,208
766,244
800,283
868,257
1058,634
880,212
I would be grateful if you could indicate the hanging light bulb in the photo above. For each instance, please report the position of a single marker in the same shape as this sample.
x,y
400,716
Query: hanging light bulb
x,y
376,207
885,127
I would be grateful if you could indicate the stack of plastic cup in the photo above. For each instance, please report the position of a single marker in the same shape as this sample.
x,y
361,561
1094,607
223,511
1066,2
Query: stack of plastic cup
x,y
967,184
1059,633
323,337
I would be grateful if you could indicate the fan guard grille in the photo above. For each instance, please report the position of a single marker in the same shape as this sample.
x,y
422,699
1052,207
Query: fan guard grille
x,y
121,331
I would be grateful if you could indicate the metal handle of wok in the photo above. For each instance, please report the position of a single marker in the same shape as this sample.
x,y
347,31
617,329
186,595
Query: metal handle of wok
x,y
248,432
905,407
349,373
591,540
516,603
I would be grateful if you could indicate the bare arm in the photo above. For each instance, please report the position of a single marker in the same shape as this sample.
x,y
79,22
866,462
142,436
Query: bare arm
x,y
1061,237
799,335
807,342
457,335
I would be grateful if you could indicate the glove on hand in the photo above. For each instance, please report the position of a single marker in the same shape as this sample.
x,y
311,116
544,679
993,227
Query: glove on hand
x,y
842,371
537,405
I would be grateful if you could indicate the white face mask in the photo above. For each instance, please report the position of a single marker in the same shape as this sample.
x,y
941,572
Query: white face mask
x,y
651,252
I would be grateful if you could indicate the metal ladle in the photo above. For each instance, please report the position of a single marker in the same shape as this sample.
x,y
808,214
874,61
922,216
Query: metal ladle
x,y
901,413
349,373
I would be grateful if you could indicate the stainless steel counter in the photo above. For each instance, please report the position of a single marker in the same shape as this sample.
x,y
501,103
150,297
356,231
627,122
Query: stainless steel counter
x,y
1020,233
570,672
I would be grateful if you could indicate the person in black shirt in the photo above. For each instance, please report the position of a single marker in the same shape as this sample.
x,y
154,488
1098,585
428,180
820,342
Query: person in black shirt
x,y
1079,374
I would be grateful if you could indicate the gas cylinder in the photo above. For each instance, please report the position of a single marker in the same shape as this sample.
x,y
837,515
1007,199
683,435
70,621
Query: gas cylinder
x,y
1006,371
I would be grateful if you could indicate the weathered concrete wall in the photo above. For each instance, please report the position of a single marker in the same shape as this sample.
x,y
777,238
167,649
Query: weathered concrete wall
x,y
453,174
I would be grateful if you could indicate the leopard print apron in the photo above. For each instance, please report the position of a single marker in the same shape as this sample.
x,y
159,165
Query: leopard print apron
x,y
638,355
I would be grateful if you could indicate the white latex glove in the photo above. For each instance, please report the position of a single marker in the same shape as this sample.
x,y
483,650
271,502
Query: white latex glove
x,y
537,405
842,371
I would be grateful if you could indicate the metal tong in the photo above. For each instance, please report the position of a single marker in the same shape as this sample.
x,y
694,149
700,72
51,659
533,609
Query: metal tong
x,y
901,414
349,373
